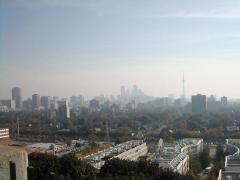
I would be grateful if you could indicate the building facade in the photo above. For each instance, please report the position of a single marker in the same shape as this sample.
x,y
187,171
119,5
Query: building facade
x,y
13,163
17,96
46,102
175,156
199,103
36,101
4,133
232,162
130,150
9,103
63,110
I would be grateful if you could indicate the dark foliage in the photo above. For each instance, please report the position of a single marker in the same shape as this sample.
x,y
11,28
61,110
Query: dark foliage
x,y
123,169
47,167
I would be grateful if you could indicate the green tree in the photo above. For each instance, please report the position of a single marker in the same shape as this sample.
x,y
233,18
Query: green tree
x,y
204,157
195,164
219,153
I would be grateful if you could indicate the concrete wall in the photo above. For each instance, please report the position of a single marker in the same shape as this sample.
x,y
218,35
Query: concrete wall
x,y
19,157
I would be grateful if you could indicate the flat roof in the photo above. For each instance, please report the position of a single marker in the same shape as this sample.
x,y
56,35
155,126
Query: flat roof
x,y
5,150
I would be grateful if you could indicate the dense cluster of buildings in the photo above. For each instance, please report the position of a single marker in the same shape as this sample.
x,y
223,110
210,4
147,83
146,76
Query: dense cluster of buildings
x,y
130,150
126,101
175,156
54,106
232,162
200,103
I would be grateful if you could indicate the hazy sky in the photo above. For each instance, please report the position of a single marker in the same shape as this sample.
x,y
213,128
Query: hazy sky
x,y
92,47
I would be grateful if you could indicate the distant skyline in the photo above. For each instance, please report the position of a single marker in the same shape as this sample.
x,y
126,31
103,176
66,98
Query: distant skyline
x,y
92,47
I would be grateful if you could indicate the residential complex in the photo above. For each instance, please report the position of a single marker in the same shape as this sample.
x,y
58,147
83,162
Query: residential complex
x,y
232,162
175,156
4,133
130,150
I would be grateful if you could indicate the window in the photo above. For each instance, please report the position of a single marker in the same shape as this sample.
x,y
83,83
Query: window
x,y
12,170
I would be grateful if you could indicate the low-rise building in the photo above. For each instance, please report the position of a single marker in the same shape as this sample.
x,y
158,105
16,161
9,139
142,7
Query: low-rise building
x,y
3,108
9,103
130,150
4,133
175,156
232,162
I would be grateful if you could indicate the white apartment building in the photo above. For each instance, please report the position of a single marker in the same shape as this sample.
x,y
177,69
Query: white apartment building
x,y
232,162
130,150
4,133
175,156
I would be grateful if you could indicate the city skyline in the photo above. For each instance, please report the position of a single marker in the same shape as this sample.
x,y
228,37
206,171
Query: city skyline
x,y
93,47
124,91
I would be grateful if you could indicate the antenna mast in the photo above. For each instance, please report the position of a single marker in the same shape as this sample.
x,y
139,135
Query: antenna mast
x,y
183,88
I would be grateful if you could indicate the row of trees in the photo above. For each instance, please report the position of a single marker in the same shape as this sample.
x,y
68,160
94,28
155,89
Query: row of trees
x,y
34,124
48,167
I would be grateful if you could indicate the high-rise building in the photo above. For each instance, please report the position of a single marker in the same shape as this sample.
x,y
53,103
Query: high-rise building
x,y
35,101
123,92
94,105
199,103
17,96
224,101
63,110
46,102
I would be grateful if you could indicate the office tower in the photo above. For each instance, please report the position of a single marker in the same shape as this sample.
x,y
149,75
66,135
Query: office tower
x,y
17,96
45,102
123,92
135,91
224,101
9,103
63,110
94,105
199,103
35,101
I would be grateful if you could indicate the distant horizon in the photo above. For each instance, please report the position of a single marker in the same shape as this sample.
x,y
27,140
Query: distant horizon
x,y
92,47
115,95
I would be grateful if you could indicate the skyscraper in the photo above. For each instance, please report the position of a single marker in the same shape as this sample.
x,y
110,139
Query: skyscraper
x,y
35,101
224,101
123,92
63,110
17,96
46,102
199,103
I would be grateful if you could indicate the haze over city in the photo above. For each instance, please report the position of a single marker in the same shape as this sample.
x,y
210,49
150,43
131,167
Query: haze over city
x,y
66,48
119,89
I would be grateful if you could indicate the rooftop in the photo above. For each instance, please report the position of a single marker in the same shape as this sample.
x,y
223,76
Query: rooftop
x,y
5,150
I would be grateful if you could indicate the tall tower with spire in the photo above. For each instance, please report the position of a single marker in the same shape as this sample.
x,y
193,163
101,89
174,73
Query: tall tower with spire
x,y
183,89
